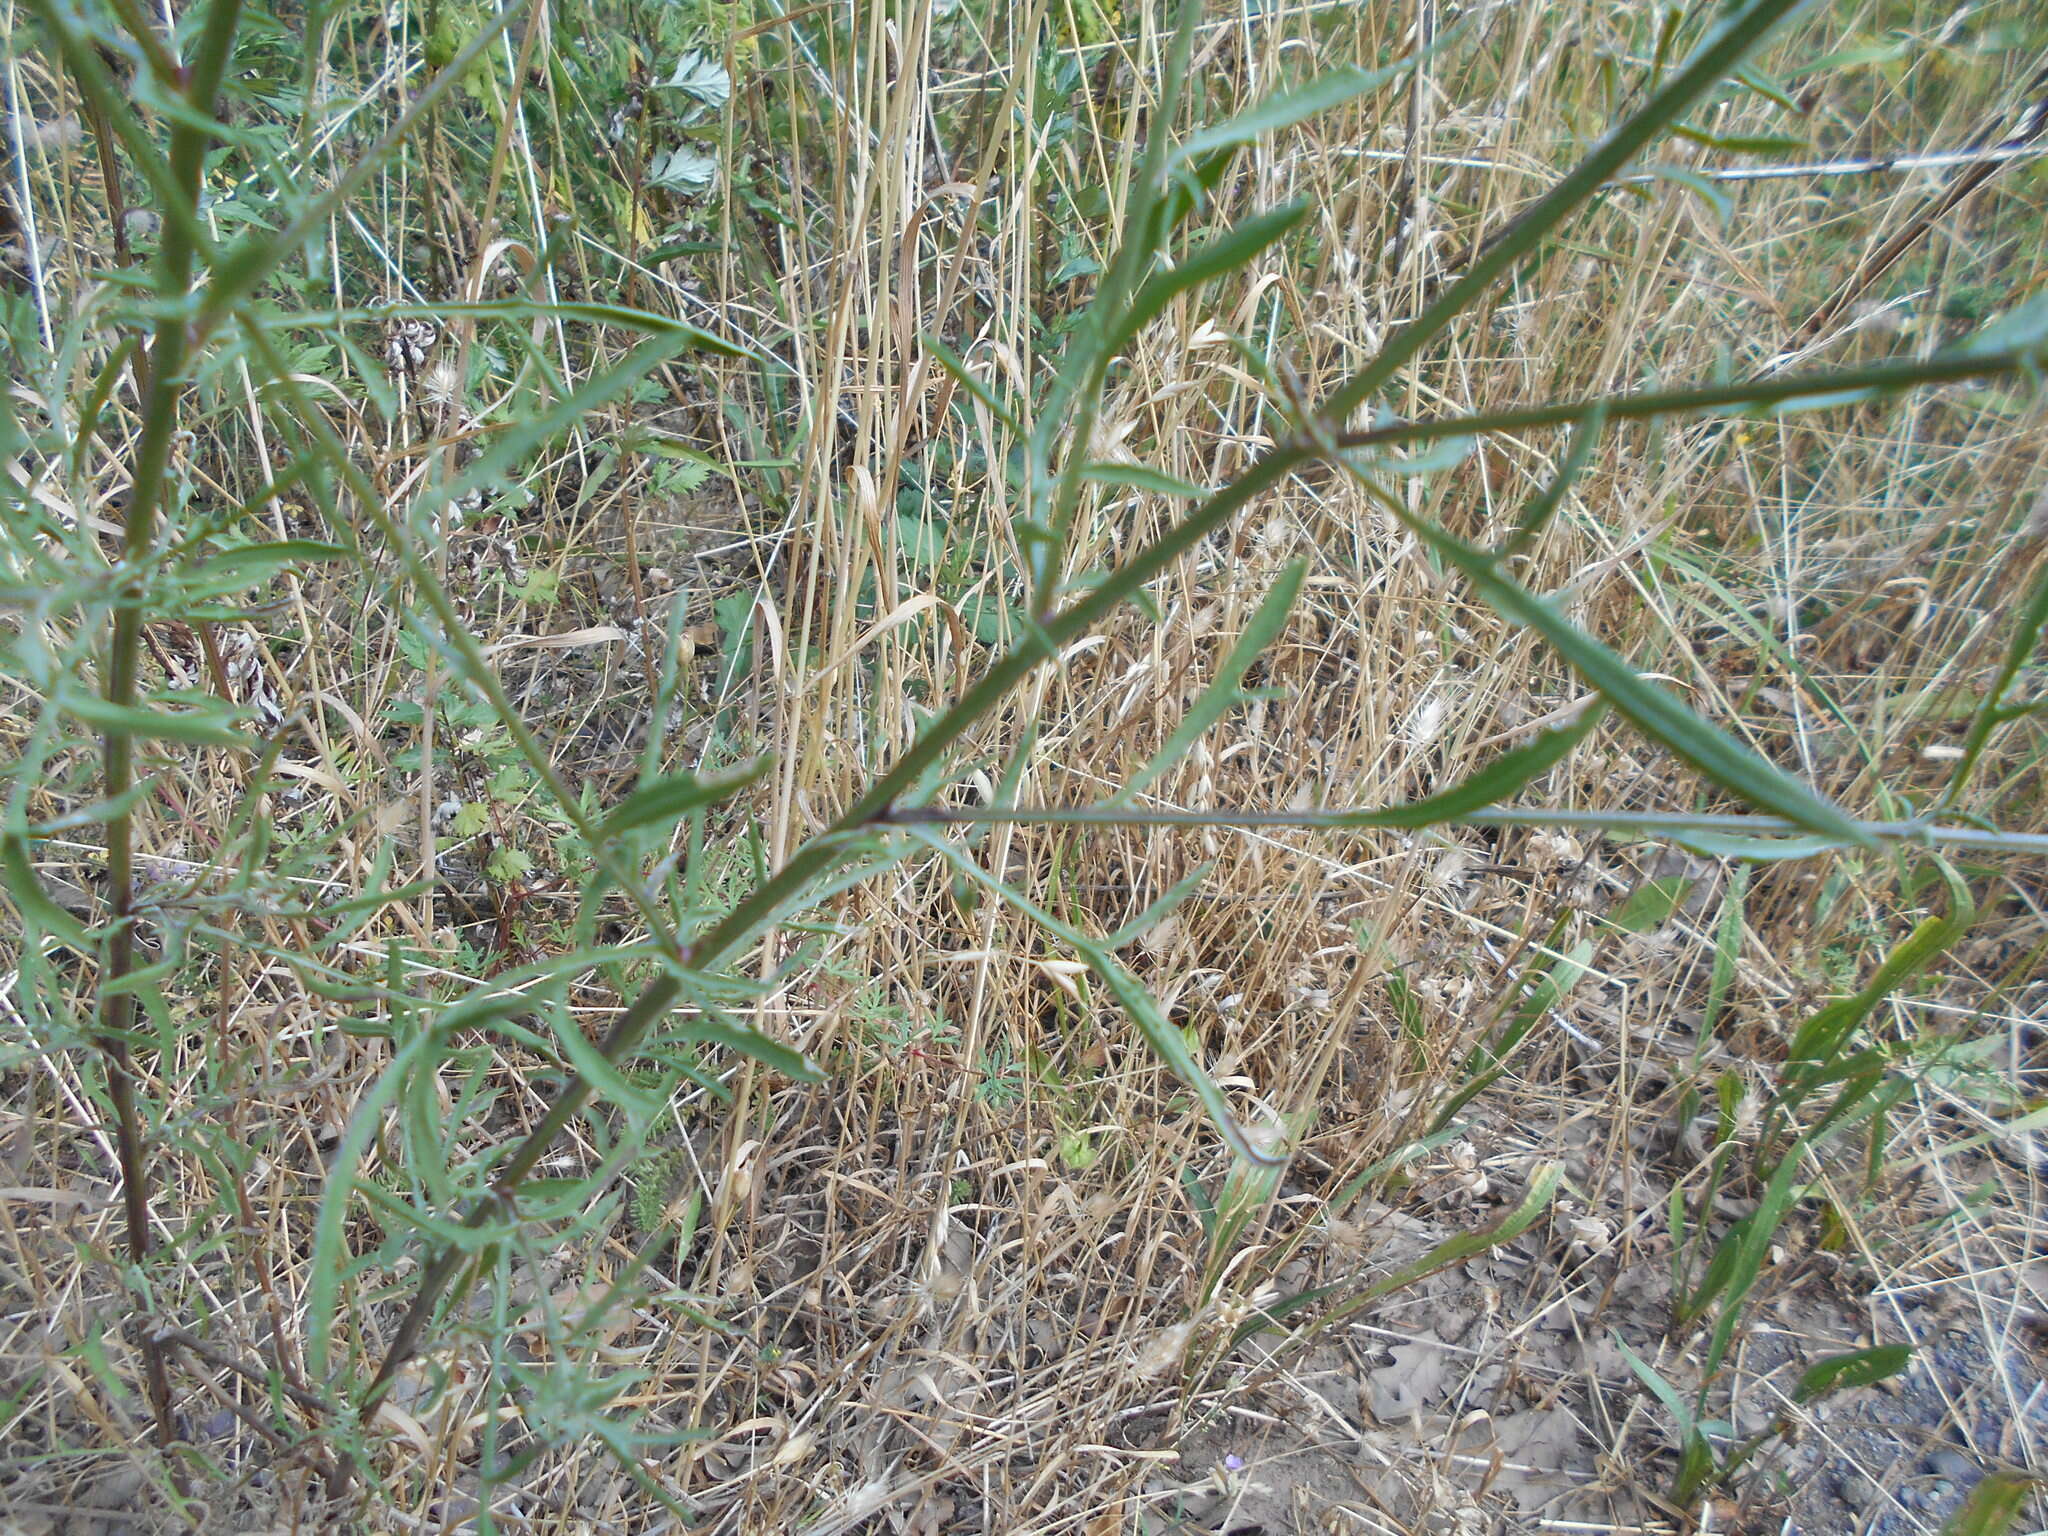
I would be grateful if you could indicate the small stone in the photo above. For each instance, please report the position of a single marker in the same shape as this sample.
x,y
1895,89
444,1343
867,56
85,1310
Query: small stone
x,y
1952,1465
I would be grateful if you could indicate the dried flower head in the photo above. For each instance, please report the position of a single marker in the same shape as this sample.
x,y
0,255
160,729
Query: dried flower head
x,y
407,343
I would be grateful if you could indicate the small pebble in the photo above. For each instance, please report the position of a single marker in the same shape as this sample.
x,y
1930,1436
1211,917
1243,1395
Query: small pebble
x,y
1952,1465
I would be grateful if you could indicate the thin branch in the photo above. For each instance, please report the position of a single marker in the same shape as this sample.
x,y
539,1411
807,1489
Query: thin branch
x,y
1663,823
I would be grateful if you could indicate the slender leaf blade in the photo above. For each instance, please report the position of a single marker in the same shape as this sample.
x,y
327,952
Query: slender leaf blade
x,y
1223,691
667,801
1656,713
1853,1368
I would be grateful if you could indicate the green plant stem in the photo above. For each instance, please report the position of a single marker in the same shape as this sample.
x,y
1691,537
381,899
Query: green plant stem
x,y
1915,833
115,1006
1994,711
1828,388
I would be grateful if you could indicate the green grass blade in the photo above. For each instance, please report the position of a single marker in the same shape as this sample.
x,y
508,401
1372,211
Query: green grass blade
x,y
721,1029
1322,94
1159,1032
200,726
1224,690
1141,477
239,269
967,379
329,1260
1727,951
1543,1182
1489,1062
1490,785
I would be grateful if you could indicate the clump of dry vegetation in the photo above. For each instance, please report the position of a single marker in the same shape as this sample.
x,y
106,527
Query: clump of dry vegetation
x,y
1081,768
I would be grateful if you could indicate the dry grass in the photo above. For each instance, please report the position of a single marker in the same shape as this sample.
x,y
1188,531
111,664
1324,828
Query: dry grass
x,y
961,1285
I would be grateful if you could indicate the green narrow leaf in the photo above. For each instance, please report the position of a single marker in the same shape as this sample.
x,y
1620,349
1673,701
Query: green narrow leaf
x,y
330,1255
1212,259
1855,1368
1223,691
1171,1048
967,379
204,727
1490,785
1182,889
25,890
1379,1168
1142,477
1748,1246
1651,904
1543,1182
723,1030
1159,1032
1993,1505
1248,1189
1727,951
1817,1042
1654,712
1741,143
1700,186
97,811
1486,1065
1765,87
251,563
1674,1403
510,449
669,800
1318,96
591,1065
1751,850
2022,328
